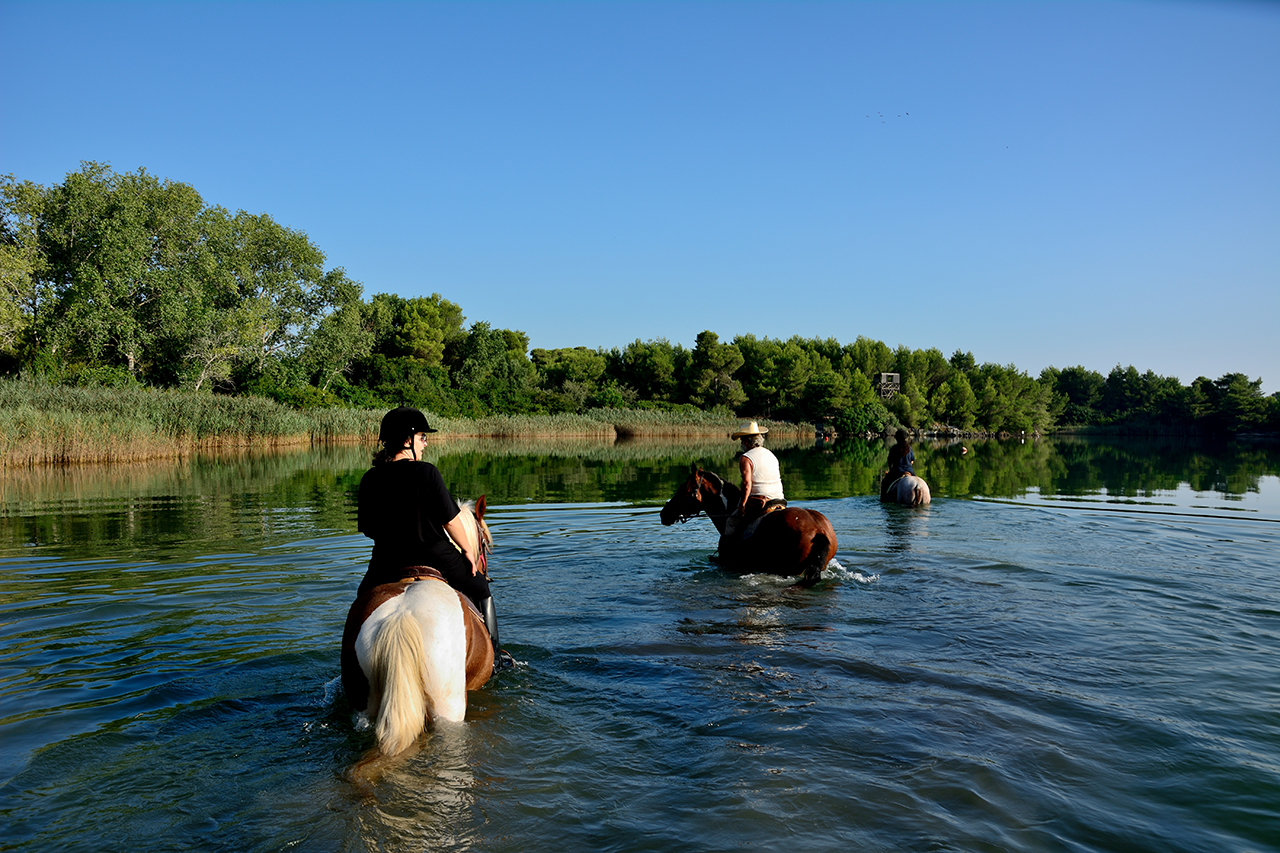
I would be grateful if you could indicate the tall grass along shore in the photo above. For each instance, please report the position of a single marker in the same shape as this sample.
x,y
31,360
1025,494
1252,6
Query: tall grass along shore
x,y
43,424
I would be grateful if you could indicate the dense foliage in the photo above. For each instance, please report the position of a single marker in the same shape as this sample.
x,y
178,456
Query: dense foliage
x,y
128,280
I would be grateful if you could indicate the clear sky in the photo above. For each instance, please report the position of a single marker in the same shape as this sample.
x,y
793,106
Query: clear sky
x,y
1041,183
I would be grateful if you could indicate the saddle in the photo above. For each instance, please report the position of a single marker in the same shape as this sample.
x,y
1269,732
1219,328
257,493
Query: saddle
x,y
754,522
889,478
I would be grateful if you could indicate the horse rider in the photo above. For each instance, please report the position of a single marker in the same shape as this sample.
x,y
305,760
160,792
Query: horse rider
x,y
901,462
761,477
405,508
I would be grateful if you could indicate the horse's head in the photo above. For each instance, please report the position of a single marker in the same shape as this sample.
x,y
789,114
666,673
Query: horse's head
x,y
687,501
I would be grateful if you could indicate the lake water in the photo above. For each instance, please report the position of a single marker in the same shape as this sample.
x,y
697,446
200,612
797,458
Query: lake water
x,y
1074,648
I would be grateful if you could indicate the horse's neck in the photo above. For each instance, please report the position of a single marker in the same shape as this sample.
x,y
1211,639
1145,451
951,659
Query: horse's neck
x,y
469,524
727,494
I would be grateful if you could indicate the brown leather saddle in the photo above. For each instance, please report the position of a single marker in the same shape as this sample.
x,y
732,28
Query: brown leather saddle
x,y
769,506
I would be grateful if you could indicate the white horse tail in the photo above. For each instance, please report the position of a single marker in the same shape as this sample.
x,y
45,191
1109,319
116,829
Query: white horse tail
x,y
398,680
413,651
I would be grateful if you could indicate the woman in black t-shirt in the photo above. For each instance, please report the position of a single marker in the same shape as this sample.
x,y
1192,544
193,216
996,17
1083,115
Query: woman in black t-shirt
x,y
901,462
405,508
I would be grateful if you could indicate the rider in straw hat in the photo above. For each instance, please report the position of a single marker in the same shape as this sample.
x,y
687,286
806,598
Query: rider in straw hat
x,y
761,478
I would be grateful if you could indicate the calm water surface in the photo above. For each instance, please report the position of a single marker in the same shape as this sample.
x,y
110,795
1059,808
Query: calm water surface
x,y
1074,648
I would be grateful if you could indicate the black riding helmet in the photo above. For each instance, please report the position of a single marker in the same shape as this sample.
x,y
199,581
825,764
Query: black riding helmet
x,y
399,424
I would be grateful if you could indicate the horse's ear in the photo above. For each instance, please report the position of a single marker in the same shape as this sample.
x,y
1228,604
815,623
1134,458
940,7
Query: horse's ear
x,y
694,470
480,505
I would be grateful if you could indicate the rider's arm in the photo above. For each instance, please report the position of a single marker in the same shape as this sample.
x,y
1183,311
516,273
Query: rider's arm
x,y
457,530
744,464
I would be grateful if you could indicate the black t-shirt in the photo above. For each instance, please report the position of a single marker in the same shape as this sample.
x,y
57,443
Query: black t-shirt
x,y
403,507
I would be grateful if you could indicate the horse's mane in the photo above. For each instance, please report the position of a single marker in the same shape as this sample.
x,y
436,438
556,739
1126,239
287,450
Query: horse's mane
x,y
722,485
479,529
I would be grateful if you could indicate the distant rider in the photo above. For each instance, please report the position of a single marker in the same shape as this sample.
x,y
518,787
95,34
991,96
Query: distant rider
x,y
901,462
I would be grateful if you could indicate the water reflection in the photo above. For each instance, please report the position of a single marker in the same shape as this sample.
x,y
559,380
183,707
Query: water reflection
x,y
905,527
427,801
179,697
150,507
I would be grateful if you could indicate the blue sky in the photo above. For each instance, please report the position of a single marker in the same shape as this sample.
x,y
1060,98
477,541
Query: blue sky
x,y
1041,183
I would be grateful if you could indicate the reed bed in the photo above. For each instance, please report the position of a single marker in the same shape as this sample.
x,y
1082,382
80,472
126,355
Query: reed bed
x,y
58,424
694,448
515,426
641,423
43,424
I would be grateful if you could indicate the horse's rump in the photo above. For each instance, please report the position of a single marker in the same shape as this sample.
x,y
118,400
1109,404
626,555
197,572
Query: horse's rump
x,y
908,490
479,648
790,535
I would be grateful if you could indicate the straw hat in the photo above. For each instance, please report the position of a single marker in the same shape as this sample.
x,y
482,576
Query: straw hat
x,y
748,428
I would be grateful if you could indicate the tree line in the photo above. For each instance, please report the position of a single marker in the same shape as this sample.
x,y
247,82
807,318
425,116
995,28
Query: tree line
x,y
129,279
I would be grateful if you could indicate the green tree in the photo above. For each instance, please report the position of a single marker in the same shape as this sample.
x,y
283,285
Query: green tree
x,y
861,418
793,367
1009,400
573,377
275,278
909,405
759,373
1235,404
825,395
650,368
1121,393
860,391
1079,390
124,259
712,367
422,327
871,357
575,364
929,367
954,402
963,361
343,336
493,371
219,339
21,264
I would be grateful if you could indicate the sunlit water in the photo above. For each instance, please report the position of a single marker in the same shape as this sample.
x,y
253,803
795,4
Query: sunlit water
x,y
1087,669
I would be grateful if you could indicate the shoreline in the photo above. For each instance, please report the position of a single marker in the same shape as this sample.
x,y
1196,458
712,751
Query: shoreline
x,y
100,446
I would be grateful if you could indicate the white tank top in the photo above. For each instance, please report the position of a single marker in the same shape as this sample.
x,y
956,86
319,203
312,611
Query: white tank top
x,y
766,479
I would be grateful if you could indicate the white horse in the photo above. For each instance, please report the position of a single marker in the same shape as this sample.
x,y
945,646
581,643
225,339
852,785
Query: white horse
x,y
908,490
411,650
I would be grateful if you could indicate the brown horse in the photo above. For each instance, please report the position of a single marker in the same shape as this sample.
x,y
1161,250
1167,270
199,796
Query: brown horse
x,y
411,650
785,542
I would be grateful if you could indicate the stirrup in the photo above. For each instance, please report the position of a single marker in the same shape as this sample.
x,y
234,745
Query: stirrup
x,y
502,659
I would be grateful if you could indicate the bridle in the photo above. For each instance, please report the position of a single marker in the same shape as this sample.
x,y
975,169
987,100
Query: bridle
x,y
697,480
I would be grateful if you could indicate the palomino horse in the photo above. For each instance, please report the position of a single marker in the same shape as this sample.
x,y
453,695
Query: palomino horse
x,y
908,490
411,650
783,542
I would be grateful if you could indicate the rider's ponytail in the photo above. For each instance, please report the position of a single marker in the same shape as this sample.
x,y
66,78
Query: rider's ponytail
x,y
384,454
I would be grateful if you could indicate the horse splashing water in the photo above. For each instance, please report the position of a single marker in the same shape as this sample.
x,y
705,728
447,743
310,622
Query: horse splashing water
x,y
412,649
787,542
